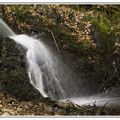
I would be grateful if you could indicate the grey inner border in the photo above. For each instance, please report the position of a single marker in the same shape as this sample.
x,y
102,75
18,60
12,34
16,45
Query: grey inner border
x,y
67,3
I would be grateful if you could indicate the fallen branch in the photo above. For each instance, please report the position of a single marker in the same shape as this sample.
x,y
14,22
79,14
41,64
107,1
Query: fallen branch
x,y
105,105
55,41
48,30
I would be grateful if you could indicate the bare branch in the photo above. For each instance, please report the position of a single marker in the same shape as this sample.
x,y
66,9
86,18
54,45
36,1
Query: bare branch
x,y
55,41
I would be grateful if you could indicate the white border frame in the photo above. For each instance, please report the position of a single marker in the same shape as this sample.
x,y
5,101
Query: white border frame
x,y
75,2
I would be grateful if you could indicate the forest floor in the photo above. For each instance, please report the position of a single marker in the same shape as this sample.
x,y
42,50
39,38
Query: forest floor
x,y
10,106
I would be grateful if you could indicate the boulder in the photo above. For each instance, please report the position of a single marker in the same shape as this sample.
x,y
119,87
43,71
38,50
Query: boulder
x,y
13,71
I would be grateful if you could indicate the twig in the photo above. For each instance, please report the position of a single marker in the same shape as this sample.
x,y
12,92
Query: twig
x,y
114,65
110,100
105,105
94,104
55,41
94,108
102,111
48,30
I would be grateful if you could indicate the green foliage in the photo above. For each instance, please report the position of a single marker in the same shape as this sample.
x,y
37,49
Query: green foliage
x,y
103,25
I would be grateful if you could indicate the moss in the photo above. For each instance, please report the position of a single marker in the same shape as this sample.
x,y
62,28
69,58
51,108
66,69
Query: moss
x,y
103,26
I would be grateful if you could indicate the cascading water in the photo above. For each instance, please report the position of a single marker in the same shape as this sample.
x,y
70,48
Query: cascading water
x,y
5,29
40,66
46,72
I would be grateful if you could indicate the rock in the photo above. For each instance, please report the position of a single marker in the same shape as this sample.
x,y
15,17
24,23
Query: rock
x,y
13,72
19,109
6,114
66,104
1,105
46,114
12,102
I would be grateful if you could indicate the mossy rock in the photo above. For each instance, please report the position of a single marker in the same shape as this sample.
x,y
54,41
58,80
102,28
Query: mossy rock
x,y
13,71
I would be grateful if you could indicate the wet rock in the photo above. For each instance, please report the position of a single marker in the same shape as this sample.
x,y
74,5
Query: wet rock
x,y
13,71
66,104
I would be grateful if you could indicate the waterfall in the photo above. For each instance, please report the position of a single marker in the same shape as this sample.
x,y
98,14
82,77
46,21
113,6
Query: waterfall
x,y
45,71
5,29
40,67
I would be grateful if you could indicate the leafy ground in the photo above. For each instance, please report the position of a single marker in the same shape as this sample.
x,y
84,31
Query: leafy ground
x,y
10,106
